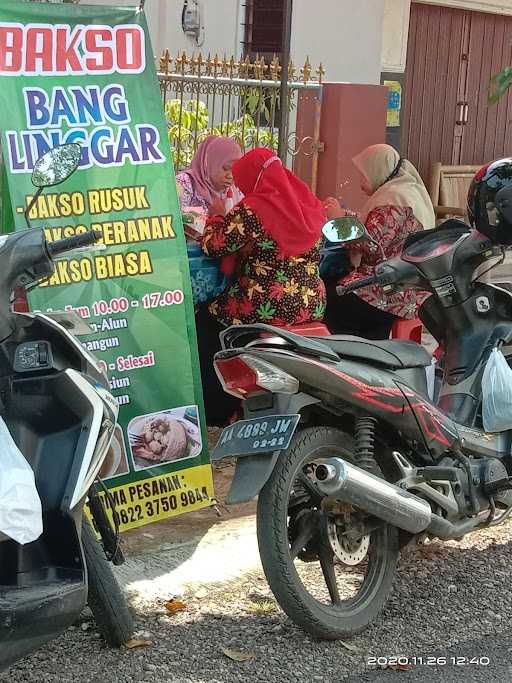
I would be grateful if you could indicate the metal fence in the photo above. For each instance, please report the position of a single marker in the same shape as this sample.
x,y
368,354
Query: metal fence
x,y
241,99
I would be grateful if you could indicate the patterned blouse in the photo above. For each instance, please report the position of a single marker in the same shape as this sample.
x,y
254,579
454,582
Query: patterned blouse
x,y
389,226
188,196
269,287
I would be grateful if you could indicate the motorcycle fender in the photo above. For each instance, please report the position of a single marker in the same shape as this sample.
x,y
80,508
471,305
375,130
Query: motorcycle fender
x,y
251,475
252,471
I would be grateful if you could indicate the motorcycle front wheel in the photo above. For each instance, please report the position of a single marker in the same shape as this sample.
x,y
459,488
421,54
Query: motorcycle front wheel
x,y
329,579
105,597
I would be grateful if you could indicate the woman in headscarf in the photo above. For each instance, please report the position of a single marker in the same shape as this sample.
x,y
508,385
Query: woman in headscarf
x,y
398,204
271,243
208,182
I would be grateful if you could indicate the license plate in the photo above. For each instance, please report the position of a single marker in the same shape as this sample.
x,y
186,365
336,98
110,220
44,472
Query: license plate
x,y
259,435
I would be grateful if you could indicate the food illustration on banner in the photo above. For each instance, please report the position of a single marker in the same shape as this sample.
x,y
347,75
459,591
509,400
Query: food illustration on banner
x,y
166,436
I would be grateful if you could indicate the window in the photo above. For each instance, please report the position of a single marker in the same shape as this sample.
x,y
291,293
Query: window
x,y
263,28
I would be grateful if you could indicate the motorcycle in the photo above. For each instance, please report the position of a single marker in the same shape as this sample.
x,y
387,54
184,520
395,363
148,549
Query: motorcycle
x,y
349,457
56,404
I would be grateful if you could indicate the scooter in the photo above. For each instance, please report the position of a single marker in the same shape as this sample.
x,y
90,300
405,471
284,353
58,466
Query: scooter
x,y
349,456
56,404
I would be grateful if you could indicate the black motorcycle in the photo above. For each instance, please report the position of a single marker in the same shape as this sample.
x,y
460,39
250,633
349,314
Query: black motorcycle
x,y
55,401
350,457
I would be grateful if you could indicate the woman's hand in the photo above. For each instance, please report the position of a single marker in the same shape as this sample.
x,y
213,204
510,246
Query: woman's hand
x,y
218,208
355,258
333,208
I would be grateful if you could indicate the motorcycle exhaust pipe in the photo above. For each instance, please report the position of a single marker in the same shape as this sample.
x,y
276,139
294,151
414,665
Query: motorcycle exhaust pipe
x,y
337,477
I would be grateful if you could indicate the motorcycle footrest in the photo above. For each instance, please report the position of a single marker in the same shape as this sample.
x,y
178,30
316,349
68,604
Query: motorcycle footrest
x,y
492,487
439,473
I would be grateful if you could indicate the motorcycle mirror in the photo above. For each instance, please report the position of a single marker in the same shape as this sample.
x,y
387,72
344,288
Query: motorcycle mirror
x,y
345,229
56,165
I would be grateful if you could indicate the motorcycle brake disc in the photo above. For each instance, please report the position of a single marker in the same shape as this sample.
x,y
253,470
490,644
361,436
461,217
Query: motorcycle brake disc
x,y
348,552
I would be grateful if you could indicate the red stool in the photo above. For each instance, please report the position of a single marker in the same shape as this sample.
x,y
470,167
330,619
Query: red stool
x,y
315,329
407,329
439,352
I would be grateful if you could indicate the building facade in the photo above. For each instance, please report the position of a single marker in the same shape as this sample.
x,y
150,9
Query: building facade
x,y
436,56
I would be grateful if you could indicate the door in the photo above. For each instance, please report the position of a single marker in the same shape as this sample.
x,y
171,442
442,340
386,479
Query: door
x,y
433,74
487,129
452,55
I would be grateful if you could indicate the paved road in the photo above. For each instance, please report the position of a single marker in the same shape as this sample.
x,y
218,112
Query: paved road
x,y
498,650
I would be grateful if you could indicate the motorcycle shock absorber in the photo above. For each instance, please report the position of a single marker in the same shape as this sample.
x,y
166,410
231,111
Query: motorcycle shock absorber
x,y
365,444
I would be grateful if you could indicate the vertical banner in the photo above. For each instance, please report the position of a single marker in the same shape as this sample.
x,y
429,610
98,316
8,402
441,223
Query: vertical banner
x,y
72,73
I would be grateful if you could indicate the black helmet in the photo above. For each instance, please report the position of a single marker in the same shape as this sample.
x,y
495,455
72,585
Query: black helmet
x,y
490,201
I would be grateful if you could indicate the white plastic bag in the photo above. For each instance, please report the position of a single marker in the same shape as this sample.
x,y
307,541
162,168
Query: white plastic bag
x,y
21,516
497,393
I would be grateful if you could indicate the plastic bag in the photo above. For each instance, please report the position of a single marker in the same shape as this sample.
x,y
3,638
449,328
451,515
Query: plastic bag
x,y
21,516
497,394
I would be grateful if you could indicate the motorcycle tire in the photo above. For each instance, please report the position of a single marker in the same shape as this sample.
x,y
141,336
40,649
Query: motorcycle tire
x,y
105,597
324,621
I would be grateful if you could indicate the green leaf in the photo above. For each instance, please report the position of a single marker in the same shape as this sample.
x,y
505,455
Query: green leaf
x,y
501,83
281,276
266,311
266,245
319,310
234,289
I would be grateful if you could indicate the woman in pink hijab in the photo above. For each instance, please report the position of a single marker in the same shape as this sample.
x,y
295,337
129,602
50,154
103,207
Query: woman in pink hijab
x,y
208,182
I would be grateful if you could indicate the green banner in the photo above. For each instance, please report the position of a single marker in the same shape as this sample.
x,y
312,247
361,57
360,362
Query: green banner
x,y
86,75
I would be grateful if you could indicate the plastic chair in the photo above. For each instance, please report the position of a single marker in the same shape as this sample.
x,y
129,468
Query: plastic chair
x,y
407,329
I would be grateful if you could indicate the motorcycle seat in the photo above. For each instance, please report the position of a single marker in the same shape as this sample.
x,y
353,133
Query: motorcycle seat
x,y
395,355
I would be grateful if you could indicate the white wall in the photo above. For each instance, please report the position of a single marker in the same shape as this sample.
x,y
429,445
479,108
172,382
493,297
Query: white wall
x,y
395,32
221,20
345,35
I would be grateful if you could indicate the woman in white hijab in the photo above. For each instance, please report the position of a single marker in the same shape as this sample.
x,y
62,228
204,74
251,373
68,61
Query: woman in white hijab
x,y
398,204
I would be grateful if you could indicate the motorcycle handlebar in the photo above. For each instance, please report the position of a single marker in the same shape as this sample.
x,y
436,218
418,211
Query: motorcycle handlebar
x,y
86,239
341,290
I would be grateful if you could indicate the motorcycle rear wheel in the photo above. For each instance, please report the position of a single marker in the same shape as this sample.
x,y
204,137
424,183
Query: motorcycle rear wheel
x,y
325,614
105,597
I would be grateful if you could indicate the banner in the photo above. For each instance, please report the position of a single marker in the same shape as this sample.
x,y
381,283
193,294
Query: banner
x,y
86,75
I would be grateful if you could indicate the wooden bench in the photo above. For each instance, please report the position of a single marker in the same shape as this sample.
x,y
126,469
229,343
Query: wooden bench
x,y
448,189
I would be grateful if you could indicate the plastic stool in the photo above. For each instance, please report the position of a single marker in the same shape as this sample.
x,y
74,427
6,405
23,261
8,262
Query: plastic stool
x,y
407,329
314,329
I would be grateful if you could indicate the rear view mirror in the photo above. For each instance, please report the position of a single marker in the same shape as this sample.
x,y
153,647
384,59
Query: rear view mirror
x,y
345,229
56,165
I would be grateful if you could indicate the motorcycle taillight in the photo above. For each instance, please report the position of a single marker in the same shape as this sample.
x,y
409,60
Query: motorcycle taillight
x,y
20,301
244,375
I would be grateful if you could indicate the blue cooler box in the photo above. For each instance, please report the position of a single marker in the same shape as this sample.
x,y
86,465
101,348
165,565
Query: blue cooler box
x,y
208,281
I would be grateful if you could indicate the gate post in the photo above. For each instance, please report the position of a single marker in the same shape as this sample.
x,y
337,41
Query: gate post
x,y
353,117
308,143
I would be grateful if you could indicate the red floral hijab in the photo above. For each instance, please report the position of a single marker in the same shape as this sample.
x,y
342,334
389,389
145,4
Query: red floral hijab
x,y
289,212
